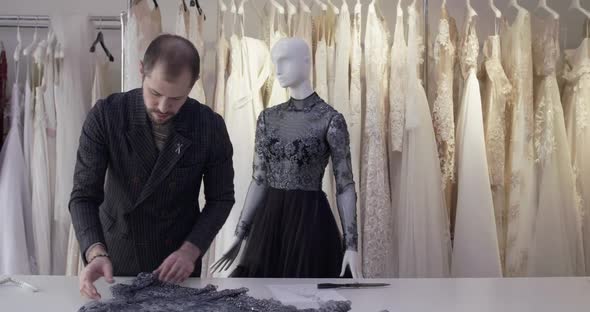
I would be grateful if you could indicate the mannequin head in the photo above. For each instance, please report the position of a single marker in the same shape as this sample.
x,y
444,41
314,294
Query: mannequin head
x,y
292,60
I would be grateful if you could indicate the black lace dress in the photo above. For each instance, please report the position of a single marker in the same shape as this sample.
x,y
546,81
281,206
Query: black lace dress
x,y
147,293
294,232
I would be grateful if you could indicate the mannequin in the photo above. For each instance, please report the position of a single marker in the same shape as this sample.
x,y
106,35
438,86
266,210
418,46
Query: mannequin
x,y
309,119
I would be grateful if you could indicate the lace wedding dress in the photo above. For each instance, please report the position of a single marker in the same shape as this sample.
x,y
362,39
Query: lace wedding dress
x,y
496,90
520,166
443,107
556,246
221,69
374,200
421,221
278,30
475,244
576,104
356,102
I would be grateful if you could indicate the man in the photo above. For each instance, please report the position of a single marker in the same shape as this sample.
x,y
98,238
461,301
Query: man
x,y
157,145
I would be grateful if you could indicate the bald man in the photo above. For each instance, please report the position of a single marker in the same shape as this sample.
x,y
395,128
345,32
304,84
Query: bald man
x,y
153,146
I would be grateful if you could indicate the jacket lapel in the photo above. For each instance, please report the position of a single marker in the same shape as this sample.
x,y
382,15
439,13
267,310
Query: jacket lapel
x,y
139,135
175,147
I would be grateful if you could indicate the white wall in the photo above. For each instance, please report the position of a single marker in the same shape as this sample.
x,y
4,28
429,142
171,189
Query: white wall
x,y
571,21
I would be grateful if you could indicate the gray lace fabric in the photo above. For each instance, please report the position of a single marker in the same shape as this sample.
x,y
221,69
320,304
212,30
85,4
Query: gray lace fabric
x,y
147,293
294,142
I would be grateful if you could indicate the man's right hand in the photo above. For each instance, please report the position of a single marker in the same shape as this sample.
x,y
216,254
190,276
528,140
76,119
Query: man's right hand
x,y
97,268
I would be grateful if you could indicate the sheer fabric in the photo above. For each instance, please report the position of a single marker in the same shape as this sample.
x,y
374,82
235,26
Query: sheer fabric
x,y
375,200
16,195
422,226
495,94
520,164
475,244
576,105
250,68
556,247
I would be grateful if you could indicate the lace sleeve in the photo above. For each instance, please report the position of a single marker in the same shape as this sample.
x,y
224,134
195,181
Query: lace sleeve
x,y
258,186
259,164
339,142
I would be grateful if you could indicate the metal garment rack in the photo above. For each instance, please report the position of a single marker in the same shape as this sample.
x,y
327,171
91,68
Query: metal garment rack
x,y
43,21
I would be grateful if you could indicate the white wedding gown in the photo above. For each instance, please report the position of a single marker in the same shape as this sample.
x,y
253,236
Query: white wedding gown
x,y
520,164
144,24
15,250
250,68
496,90
222,62
576,104
475,245
41,203
195,35
374,196
303,30
356,104
421,221
278,30
73,103
556,247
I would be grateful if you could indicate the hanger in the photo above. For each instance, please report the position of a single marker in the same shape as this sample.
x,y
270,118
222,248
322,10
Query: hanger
x,y
199,9
222,6
577,6
21,284
334,7
495,9
444,4
291,8
29,49
184,5
100,39
514,4
543,5
156,4
322,5
305,7
470,11
18,49
278,6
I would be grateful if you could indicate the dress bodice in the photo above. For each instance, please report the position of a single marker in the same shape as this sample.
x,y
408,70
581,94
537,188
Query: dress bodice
x,y
469,47
545,45
294,142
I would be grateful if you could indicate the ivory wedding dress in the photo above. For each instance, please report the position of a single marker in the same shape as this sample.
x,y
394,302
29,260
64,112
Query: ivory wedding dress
x,y
556,247
520,164
421,221
475,244
374,199
143,26
195,35
577,116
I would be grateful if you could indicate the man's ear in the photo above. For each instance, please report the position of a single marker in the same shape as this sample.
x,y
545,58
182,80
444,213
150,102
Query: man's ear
x,y
141,71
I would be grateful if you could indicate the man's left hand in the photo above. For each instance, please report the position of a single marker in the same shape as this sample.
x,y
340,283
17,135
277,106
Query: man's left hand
x,y
179,265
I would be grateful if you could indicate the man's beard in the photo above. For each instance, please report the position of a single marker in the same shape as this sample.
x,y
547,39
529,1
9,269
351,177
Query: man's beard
x,y
154,119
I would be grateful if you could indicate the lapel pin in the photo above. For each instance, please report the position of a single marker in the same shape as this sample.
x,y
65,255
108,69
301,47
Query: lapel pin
x,y
178,146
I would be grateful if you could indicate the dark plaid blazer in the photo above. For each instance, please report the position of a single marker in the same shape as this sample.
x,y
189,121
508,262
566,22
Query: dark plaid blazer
x,y
149,204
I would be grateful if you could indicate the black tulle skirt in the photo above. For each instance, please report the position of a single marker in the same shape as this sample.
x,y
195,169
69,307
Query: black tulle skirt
x,y
294,235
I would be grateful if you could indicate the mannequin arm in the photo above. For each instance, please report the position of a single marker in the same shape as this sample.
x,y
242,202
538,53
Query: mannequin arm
x,y
254,198
339,142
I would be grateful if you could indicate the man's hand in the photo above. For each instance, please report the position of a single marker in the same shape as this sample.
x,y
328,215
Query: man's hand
x,y
97,268
179,265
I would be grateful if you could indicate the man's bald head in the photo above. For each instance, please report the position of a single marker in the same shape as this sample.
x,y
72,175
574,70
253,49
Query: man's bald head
x,y
175,53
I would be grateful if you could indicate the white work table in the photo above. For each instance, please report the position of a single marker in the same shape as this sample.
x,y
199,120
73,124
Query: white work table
x,y
58,293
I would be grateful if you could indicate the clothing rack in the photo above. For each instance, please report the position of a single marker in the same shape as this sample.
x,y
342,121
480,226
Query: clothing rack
x,y
43,21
